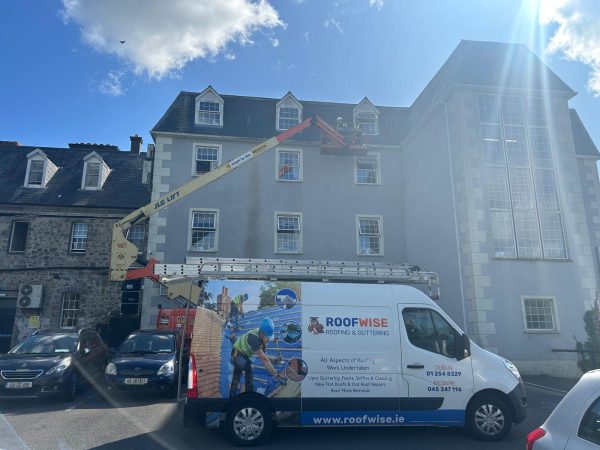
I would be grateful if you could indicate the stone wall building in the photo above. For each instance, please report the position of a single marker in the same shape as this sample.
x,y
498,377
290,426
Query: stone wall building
x,y
57,208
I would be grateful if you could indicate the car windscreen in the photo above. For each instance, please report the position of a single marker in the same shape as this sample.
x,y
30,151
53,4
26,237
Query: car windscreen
x,y
148,343
48,343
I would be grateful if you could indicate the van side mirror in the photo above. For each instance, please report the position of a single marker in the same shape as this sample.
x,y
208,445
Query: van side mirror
x,y
462,346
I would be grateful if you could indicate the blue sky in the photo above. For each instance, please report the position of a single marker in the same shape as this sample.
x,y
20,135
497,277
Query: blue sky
x,y
66,77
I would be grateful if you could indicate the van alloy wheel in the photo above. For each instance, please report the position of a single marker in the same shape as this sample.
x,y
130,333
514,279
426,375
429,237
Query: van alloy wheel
x,y
248,424
489,419
249,421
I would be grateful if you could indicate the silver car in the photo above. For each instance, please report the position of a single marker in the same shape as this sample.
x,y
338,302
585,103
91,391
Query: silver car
x,y
575,422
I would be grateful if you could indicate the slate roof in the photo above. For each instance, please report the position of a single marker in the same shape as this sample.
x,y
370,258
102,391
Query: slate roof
x,y
123,189
254,117
584,146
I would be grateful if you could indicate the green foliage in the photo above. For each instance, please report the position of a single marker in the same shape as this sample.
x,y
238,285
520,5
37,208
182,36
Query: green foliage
x,y
270,288
588,352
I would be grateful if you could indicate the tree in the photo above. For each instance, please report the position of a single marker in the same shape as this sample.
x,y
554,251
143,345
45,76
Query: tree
x,y
270,288
588,352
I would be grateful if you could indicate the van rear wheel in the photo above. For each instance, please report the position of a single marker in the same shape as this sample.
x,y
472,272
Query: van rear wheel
x,y
488,418
248,422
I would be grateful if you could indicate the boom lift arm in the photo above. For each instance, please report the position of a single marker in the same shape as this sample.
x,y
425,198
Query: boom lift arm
x,y
124,253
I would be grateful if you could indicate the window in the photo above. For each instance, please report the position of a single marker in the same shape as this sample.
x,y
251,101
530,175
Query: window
x,y
289,117
289,165
370,236
137,236
288,233
206,159
70,310
204,231
589,428
79,232
209,113
92,175
367,169
428,330
539,314
18,236
36,173
367,122
522,188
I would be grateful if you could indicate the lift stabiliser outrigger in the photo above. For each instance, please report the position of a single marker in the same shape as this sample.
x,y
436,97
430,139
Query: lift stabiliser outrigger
x,y
124,253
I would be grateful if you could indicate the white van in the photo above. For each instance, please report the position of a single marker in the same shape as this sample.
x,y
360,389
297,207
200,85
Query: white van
x,y
340,354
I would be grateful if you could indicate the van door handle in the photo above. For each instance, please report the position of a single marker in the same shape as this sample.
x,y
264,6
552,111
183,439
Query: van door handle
x,y
415,366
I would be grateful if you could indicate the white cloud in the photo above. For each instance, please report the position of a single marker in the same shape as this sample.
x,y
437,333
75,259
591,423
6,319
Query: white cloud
x,y
306,36
112,85
291,66
229,56
274,42
376,3
162,37
578,34
334,24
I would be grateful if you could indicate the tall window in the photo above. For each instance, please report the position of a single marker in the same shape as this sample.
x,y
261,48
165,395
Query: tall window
x,y
209,113
70,310
207,158
289,165
539,314
367,122
36,173
92,175
288,233
525,215
370,235
204,231
18,236
367,169
288,117
79,234
137,236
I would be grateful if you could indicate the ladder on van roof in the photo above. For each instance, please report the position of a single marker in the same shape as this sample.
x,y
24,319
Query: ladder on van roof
x,y
302,270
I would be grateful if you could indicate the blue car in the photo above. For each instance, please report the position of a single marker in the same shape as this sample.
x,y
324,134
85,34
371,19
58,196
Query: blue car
x,y
147,361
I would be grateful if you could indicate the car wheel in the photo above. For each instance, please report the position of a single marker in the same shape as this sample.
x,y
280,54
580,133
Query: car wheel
x,y
248,422
488,418
72,388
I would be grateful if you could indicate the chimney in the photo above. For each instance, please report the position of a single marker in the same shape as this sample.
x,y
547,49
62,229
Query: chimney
x,y
9,144
136,144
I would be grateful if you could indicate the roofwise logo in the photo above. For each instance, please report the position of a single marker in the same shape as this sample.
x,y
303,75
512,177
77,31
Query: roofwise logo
x,y
357,326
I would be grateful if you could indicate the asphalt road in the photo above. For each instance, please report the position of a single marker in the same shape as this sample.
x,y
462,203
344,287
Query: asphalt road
x,y
143,422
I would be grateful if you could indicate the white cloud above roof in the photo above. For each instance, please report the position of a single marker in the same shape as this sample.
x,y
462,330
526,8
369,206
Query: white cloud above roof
x,y
158,40
577,36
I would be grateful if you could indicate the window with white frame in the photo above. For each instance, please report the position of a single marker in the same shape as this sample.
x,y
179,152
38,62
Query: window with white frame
x,y
288,233
526,220
370,235
79,235
70,310
18,236
204,231
367,169
209,113
289,117
92,175
367,122
137,236
206,158
539,314
36,173
289,165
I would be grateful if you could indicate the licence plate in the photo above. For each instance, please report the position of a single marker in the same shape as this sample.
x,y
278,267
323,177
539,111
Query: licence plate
x,y
136,380
18,384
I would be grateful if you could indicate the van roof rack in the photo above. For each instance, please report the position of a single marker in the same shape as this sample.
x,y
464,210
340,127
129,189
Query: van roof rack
x,y
302,270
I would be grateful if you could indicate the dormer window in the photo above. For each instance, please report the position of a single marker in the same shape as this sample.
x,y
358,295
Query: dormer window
x,y
95,172
366,117
209,108
40,170
289,112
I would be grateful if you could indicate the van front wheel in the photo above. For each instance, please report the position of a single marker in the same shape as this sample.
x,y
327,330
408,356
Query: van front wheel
x,y
248,422
488,418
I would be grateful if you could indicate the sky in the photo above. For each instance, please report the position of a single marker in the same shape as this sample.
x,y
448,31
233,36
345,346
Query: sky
x,y
65,75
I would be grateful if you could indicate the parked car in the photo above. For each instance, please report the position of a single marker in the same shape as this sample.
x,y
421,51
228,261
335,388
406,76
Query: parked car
x,y
575,422
52,362
147,360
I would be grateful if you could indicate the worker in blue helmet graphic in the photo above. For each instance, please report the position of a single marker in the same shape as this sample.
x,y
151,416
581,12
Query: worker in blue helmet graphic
x,y
254,342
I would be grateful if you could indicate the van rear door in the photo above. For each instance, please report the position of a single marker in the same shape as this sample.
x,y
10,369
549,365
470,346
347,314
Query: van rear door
x,y
439,383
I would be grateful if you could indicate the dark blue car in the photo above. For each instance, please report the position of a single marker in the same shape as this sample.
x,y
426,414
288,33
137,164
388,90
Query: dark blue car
x,y
147,361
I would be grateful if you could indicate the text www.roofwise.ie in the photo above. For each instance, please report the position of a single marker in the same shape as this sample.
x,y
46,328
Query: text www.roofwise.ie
x,y
360,420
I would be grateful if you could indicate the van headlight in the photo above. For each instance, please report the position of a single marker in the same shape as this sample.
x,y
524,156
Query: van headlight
x,y
167,369
60,367
510,366
111,369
